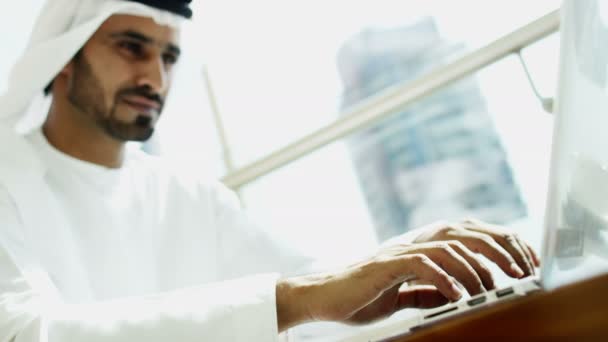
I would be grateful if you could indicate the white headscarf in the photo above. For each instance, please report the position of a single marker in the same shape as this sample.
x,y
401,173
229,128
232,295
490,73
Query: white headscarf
x,y
63,28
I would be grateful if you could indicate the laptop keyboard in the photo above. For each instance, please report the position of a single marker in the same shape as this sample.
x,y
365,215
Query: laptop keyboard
x,y
482,299
431,316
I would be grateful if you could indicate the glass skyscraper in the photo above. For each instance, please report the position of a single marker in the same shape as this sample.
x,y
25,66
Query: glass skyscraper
x,y
439,158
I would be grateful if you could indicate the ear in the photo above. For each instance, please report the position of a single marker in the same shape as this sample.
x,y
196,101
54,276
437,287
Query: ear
x,y
67,69
63,78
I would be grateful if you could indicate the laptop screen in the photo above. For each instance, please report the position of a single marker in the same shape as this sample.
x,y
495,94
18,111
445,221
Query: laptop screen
x,y
576,232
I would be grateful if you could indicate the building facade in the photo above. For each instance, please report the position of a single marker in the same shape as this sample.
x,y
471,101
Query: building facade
x,y
439,158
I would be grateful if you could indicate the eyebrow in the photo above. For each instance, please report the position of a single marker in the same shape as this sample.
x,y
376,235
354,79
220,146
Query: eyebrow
x,y
145,39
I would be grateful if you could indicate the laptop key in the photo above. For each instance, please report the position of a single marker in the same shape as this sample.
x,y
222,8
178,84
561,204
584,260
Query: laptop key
x,y
504,292
476,301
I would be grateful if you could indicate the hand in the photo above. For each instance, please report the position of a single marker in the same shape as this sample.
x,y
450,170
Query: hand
x,y
441,257
514,256
372,289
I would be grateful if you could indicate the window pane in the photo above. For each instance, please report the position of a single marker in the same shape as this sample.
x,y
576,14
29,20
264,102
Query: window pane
x,y
277,69
313,204
477,148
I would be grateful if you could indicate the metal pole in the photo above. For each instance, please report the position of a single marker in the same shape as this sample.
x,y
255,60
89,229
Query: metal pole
x,y
219,124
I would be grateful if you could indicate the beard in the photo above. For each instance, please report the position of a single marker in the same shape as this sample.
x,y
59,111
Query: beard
x,y
88,96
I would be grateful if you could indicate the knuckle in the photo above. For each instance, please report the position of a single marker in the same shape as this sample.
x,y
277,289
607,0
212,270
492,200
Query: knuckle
x,y
443,226
456,244
444,229
509,237
445,248
444,245
486,239
468,220
419,258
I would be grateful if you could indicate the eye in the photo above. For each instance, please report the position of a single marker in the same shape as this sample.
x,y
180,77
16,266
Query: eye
x,y
133,48
170,58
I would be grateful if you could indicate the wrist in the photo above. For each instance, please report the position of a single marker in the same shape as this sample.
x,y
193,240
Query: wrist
x,y
292,302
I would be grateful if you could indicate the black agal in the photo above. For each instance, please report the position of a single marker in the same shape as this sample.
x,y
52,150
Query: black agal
x,y
181,7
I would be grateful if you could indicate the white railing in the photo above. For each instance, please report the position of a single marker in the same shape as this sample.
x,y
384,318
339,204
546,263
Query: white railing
x,y
385,103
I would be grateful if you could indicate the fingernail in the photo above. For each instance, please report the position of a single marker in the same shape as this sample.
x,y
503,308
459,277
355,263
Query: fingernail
x,y
518,271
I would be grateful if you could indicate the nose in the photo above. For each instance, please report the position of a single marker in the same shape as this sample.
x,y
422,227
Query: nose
x,y
154,75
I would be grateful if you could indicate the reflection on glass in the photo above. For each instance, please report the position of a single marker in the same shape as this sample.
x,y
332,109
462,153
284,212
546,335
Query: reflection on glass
x,y
577,220
276,80
438,159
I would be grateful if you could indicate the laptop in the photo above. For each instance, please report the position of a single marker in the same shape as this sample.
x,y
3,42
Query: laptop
x,y
575,239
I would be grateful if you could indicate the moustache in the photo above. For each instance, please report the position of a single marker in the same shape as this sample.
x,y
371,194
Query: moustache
x,y
145,92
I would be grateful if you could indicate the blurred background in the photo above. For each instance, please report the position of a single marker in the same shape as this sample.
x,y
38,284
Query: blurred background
x,y
258,75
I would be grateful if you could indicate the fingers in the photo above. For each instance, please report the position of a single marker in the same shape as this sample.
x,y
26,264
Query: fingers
x,y
526,251
499,235
424,268
423,297
487,246
453,263
535,258
482,271
456,265
510,243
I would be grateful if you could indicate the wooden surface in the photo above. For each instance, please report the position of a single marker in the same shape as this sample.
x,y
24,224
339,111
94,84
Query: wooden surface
x,y
578,312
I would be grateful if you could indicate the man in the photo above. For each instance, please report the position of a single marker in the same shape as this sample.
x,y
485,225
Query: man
x,y
100,243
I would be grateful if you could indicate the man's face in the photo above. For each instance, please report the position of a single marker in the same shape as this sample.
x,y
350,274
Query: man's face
x,y
122,75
